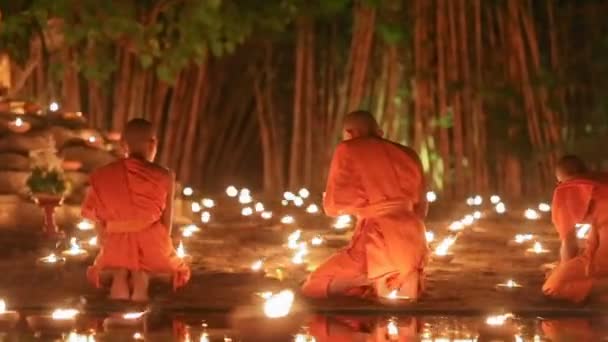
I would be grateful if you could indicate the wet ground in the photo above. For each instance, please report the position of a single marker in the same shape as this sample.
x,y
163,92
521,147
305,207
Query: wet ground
x,y
223,292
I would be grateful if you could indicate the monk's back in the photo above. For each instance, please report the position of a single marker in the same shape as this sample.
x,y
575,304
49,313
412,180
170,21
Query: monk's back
x,y
131,189
388,171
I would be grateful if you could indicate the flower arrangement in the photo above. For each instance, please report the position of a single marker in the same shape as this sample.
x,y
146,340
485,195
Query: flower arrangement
x,y
47,175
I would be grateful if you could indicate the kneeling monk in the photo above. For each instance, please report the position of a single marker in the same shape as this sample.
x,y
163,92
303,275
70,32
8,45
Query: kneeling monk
x,y
581,197
382,183
131,200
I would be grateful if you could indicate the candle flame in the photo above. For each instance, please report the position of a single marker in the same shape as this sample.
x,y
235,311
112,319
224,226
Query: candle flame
x,y
292,239
521,238
304,193
500,208
498,320
232,191
392,295
531,214
538,248
85,225
544,207
298,201
342,222
582,231
312,209
316,241
245,198
444,246
495,199
247,211
181,251
266,215
287,219
431,196
477,215
51,258
279,305
430,236
468,220
18,122
2,306
208,203
188,191
64,314
205,217
54,106
93,241
456,226
74,248
196,207
133,315
138,336
257,265
259,207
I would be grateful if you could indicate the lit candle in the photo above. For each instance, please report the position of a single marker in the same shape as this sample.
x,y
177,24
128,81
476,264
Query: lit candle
x,y
59,319
196,207
521,238
342,222
495,199
500,208
92,243
537,249
531,214
247,211
430,236
292,239
208,203
189,230
304,193
232,191
8,318
312,209
75,251
302,251
245,197
279,305
509,285
284,203
19,125
288,196
257,265
442,250
316,241
54,106
468,220
51,260
188,191
431,196
266,215
544,207
298,201
205,217
471,201
138,336
259,207
181,252
129,319
92,139
85,225
287,219
477,215
456,226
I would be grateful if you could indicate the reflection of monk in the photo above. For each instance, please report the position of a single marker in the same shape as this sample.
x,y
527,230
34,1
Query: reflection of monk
x,y
581,197
132,201
381,183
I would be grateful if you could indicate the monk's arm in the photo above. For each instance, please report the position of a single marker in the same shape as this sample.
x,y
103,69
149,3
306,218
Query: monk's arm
x,y
569,247
167,217
421,208
343,191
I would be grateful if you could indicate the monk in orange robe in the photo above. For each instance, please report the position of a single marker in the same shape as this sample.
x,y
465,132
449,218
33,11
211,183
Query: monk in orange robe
x,y
131,200
580,197
382,184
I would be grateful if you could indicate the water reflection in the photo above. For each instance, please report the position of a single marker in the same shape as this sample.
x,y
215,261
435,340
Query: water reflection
x,y
325,328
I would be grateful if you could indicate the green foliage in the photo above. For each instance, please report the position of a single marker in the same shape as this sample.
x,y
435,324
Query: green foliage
x,y
44,181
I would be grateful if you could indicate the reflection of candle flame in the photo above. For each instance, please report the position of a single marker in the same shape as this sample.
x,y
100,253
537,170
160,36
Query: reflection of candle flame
x,y
498,319
279,305
312,209
392,328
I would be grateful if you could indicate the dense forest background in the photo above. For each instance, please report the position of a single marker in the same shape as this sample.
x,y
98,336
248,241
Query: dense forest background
x,y
490,92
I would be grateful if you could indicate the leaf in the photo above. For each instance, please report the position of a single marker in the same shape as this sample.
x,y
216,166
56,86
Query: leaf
x,y
146,61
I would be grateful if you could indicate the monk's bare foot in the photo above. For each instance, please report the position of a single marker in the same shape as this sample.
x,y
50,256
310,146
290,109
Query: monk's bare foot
x,y
140,281
120,285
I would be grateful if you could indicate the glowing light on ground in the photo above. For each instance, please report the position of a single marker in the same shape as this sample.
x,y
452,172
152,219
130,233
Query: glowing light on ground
x,y
495,199
208,203
342,222
85,225
531,214
205,217
196,207
392,329
188,191
304,193
544,207
266,215
287,219
232,191
500,208
279,305
312,209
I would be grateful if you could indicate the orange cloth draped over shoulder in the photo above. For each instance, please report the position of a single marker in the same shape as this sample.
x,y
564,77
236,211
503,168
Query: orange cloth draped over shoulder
x,y
582,200
128,198
382,183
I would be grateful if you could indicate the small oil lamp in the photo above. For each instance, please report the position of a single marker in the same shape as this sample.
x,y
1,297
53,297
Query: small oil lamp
x,y
509,286
232,191
187,191
75,252
431,196
51,260
288,219
304,193
208,203
8,318
19,125
58,320
279,305
312,209
537,249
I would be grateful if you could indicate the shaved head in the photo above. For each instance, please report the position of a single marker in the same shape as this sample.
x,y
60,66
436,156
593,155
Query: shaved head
x,y
360,123
570,166
139,138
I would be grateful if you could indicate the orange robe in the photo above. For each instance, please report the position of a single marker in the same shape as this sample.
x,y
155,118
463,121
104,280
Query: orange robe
x,y
367,174
128,198
580,201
